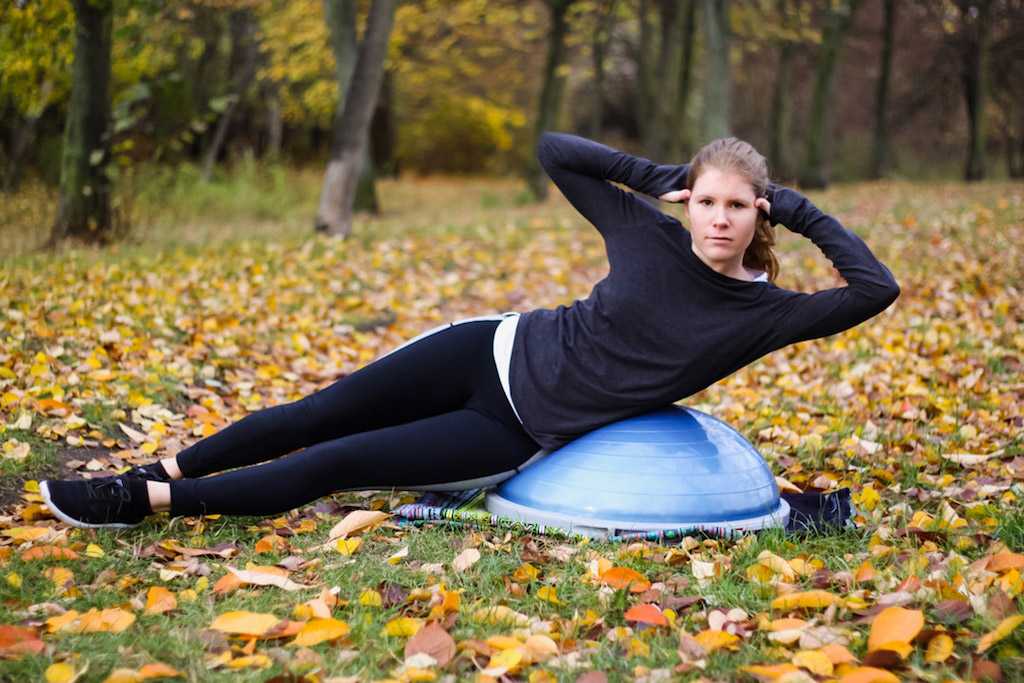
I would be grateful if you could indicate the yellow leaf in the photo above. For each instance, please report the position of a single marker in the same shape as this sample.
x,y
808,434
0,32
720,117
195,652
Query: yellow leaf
x,y
160,600
26,533
61,672
244,623
1005,628
402,627
715,640
549,593
769,672
525,573
503,662
940,647
814,661
370,598
894,625
815,599
14,580
255,661
320,630
94,551
348,546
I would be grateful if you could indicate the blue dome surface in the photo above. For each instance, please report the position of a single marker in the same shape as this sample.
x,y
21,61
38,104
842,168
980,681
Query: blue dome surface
x,y
674,467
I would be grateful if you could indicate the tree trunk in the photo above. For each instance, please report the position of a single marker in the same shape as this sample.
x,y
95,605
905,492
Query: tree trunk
x,y
382,130
719,79
551,92
349,146
778,153
664,130
880,148
646,79
242,65
204,78
341,24
84,206
680,141
599,44
274,122
23,135
814,173
974,74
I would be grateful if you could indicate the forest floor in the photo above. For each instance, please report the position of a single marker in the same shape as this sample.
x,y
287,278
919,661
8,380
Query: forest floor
x,y
118,356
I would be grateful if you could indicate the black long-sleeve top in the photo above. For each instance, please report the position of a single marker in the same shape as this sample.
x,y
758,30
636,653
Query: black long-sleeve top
x,y
663,325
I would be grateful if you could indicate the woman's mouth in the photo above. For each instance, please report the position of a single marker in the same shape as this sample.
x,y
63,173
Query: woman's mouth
x,y
720,239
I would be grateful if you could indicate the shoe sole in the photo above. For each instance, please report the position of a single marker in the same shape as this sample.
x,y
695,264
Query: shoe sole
x,y
44,489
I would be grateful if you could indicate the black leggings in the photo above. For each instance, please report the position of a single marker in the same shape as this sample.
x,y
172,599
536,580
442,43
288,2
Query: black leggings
x,y
430,412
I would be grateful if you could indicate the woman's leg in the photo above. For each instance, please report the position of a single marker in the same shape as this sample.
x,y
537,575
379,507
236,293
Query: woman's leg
x,y
429,375
455,446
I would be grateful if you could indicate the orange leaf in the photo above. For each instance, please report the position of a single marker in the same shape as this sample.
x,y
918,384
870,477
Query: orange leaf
x,y
268,544
433,640
159,600
244,623
837,653
48,552
1005,561
646,614
624,577
226,584
894,625
19,640
868,674
815,599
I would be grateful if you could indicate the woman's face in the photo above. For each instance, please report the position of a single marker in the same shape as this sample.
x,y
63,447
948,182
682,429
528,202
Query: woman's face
x,y
722,219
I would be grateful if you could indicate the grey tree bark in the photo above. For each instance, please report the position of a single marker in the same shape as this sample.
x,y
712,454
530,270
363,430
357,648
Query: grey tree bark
x,y
23,134
718,85
974,75
242,65
84,205
351,134
814,171
551,91
663,130
599,45
880,147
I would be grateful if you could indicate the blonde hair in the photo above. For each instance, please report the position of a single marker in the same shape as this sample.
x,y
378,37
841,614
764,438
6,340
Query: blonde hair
x,y
737,156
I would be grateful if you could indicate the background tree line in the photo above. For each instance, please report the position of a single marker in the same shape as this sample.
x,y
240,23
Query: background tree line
x,y
826,89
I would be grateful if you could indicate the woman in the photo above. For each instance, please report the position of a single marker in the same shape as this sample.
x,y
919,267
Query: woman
x,y
470,402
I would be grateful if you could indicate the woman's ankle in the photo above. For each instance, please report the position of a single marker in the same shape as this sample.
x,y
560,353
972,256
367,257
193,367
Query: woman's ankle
x,y
159,495
170,466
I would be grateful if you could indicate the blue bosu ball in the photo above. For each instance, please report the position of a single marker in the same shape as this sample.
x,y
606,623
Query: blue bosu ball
x,y
674,468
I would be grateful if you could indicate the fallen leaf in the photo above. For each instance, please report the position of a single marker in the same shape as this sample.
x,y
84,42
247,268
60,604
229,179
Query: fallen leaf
x,y
357,520
432,640
624,577
1005,628
894,628
940,647
160,600
815,599
317,631
466,559
646,614
246,623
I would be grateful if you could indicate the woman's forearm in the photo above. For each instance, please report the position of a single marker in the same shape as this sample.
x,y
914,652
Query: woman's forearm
x,y
592,158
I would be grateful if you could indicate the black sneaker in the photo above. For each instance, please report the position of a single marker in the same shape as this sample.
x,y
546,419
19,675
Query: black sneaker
x,y
95,503
151,472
